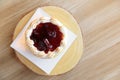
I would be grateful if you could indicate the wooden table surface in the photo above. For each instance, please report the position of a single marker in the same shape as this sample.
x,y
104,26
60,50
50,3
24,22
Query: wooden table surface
x,y
99,21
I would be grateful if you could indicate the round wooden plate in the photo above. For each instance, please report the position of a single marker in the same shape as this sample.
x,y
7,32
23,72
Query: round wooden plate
x,y
73,54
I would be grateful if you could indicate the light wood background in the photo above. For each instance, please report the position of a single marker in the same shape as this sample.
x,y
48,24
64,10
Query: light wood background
x,y
100,24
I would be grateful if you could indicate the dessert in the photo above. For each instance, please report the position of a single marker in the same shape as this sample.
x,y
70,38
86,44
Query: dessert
x,y
45,37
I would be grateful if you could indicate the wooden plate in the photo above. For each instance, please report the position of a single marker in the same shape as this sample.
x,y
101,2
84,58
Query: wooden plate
x,y
73,54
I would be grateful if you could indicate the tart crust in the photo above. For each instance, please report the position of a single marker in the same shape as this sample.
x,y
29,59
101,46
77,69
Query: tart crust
x,y
30,42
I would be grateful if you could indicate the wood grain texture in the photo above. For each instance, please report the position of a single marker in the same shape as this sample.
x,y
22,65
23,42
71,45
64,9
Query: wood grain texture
x,y
100,24
71,56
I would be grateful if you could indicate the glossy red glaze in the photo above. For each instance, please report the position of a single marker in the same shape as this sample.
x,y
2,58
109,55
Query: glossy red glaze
x,y
46,37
